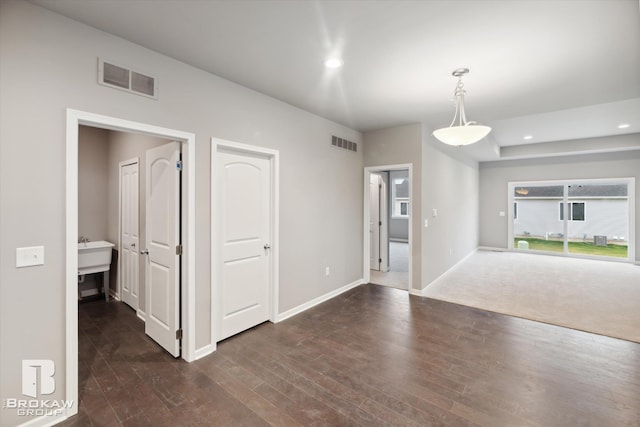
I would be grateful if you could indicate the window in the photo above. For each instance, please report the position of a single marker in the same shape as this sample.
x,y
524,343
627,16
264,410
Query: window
x,y
576,211
404,208
400,197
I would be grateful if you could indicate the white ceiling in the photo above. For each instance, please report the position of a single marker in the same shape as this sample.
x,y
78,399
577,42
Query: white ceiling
x,y
556,69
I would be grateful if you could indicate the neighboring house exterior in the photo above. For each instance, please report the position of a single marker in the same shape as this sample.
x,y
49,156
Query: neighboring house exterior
x,y
593,210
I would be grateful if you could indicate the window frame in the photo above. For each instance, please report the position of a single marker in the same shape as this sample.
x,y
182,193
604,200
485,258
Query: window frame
x,y
571,211
397,202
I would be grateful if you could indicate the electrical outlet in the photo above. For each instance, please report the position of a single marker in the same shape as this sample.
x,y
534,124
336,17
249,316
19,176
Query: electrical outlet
x,y
501,213
327,271
28,257
426,223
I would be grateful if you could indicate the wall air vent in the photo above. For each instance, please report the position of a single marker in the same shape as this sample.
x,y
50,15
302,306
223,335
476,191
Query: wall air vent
x,y
338,142
124,78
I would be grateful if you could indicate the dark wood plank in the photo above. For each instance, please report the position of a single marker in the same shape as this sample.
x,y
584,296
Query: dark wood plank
x,y
371,356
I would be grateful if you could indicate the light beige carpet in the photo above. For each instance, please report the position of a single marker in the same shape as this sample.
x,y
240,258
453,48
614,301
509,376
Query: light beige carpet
x,y
594,296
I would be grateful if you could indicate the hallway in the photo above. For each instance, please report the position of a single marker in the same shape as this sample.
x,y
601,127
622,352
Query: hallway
x,y
398,274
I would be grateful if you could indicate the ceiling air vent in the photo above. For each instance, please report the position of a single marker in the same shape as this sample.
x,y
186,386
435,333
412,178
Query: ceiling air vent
x,y
124,78
338,142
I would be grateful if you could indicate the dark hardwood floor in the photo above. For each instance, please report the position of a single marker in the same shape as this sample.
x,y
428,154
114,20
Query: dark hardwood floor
x,y
372,356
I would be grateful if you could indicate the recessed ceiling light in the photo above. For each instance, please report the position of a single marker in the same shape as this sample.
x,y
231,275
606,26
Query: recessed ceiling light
x,y
333,63
528,137
623,125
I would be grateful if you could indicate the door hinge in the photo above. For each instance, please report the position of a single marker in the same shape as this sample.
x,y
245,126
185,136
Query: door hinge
x,y
179,165
179,250
380,223
380,260
179,334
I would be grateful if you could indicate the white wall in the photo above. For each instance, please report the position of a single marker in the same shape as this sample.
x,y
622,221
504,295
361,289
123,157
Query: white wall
x,y
48,64
401,145
93,171
494,177
450,185
443,179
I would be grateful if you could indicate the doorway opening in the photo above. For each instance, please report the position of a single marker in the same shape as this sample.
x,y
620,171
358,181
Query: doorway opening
x,y
587,218
387,219
186,269
112,208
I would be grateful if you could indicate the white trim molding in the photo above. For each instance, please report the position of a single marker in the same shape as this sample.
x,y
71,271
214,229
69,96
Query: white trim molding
x,y
205,351
366,241
453,267
491,248
74,119
319,300
47,421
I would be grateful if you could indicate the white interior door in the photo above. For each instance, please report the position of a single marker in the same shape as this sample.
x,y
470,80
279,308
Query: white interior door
x,y
243,235
374,221
162,287
383,209
129,232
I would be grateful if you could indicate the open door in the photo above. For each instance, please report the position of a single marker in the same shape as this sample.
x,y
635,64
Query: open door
x,y
163,249
375,224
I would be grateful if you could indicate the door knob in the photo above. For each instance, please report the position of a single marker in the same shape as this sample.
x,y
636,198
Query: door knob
x,y
145,252
133,245
267,246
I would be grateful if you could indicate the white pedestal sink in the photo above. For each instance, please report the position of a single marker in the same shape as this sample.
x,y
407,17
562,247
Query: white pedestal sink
x,y
95,257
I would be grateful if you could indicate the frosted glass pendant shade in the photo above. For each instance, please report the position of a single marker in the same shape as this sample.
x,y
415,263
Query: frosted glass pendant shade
x,y
466,132
462,135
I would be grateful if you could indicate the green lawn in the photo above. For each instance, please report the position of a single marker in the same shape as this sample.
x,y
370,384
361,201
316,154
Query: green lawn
x,y
618,251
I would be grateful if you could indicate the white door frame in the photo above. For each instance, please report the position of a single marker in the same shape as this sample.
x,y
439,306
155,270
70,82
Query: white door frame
x,y
118,295
274,157
366,273
74,119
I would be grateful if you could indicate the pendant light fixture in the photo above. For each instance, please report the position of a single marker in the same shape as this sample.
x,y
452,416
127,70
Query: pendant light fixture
x,y
464,132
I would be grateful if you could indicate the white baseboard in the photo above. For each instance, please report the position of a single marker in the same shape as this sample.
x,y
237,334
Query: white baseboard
x,y
415,292
421,292
46,421
204,351
141,315
316,301
491,248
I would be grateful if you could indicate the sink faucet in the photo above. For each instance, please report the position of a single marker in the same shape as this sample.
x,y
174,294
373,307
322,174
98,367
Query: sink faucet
x,y
83,239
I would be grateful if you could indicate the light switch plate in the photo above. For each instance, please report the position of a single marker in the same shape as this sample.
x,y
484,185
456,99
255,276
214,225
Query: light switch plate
x,y
28,257
501,213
